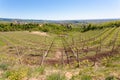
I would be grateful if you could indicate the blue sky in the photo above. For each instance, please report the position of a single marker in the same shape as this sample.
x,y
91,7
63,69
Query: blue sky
x,y
60,9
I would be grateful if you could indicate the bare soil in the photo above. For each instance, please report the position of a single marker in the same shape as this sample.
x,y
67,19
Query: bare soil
x,y
40,33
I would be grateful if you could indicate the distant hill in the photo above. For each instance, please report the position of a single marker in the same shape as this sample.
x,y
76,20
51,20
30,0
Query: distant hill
x,y
56,21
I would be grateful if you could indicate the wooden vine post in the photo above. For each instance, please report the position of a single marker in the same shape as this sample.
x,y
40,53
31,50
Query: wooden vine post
x,y
46,53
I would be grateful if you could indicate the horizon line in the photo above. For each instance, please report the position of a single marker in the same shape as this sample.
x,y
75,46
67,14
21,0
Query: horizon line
x,y
57,19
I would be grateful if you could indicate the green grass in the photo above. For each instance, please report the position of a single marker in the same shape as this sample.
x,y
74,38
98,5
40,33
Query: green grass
x,y
56,76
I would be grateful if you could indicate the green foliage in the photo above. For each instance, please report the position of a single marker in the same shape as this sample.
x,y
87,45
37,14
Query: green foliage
x,y
76,77
17,74
111,78
2,79
81,77
56,28
86,77
56,76
91,26
4,66
40,70
17,27
1,43
106,61
53,28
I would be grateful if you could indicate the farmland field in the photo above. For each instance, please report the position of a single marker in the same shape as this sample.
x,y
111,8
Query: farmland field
x,y
59,39
92,55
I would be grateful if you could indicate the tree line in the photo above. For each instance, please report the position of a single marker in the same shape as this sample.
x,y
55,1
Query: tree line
x,y
56,28
94,26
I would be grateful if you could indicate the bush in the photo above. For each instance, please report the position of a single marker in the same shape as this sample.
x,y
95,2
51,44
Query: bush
x,y
56,76
45,29
17,74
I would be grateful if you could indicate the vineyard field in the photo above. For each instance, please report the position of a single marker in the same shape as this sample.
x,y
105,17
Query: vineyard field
x,y
91,55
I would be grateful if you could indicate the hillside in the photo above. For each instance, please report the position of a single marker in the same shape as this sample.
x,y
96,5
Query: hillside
x,y
60,51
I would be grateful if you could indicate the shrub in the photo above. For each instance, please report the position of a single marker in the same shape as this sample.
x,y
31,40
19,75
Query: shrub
x,y
45,30
17,74
56,76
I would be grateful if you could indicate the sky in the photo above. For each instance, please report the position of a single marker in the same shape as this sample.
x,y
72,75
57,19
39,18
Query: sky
x,y
60,9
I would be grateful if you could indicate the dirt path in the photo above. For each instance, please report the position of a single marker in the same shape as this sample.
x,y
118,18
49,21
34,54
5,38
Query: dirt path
x,y
40,33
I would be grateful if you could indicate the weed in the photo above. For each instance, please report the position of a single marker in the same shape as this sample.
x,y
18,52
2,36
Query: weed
x,y
111,78
17,74
86,77
56,76
4,66
40,70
